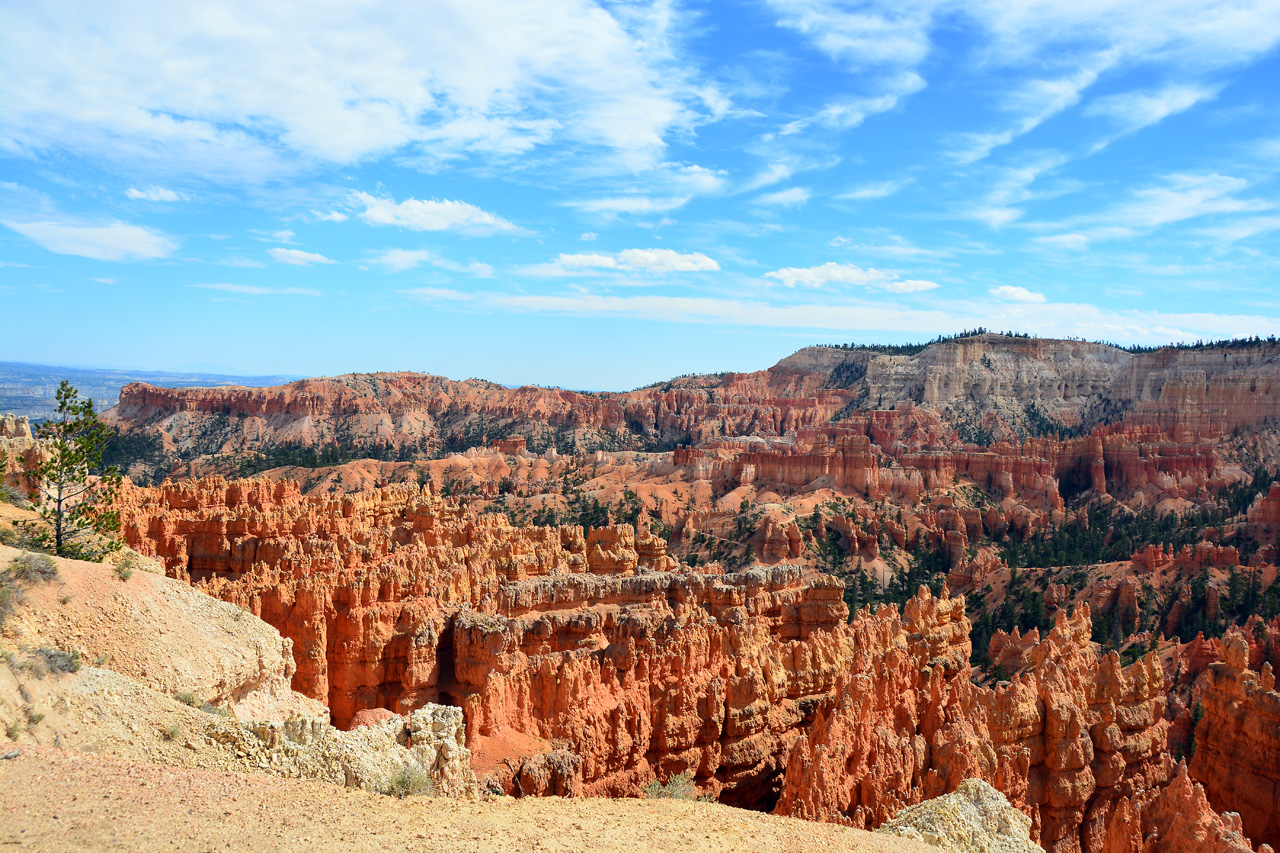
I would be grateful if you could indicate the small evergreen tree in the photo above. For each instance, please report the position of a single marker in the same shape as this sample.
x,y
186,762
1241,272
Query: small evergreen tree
x,y
74,502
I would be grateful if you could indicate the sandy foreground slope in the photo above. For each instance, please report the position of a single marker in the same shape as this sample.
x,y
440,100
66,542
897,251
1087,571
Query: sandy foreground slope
x,y
66,801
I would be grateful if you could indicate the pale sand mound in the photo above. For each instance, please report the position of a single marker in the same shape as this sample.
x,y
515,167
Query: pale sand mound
x,y
975,818
163,634
65,801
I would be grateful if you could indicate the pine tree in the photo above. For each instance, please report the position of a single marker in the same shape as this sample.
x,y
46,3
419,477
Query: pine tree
x,y
75,504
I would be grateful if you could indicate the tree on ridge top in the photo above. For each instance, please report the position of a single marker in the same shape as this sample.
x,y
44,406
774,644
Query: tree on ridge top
x,y
69,498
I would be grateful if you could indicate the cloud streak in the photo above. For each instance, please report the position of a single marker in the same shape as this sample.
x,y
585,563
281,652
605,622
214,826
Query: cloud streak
x,y
115,241
430,215
298,258
834,273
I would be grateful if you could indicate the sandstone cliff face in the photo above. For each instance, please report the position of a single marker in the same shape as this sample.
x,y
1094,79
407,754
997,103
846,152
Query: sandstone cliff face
x,y
1237,755
15,426
1065,741
998,383
1207,390
19,447
542,635
584,665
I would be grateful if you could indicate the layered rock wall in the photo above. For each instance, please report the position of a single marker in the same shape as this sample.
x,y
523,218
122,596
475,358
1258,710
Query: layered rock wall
x,y
1237,755
584,665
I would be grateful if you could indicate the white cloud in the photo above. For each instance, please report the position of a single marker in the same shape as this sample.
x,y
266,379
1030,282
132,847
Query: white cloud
x,y
1047,319
251,91
833,273
1011,185
665,260
441,294
657,190
892,35
154,194
1244,228
774,173
791,197
630,260
1181,197
1042,56
1185,197
399,260
588,236
253,290
1035,102
640,204
867,192
331,216
479,269
1135,110
1013,293
852,112
586,260
297,257
433,215
105,280
114,242
282,236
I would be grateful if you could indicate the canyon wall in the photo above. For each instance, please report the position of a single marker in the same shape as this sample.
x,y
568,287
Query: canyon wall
x,y
1003,387
586,663
1237,753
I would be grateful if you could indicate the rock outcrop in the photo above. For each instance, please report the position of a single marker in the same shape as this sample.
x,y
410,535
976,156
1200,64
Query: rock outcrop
x,y
164,634
182,678
1065,741
986,385
589,663
1237,756
975,818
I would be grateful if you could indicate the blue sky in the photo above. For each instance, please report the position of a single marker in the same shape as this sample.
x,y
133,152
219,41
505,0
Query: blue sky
x,y
603,195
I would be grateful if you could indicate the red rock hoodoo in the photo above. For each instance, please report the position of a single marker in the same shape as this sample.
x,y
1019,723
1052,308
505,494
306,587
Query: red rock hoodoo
x,y
586,665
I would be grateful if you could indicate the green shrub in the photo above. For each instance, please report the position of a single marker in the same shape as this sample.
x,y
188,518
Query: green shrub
x,y
31,567
678,787
186,697
410,781
55,661
173,731
10,596
210,708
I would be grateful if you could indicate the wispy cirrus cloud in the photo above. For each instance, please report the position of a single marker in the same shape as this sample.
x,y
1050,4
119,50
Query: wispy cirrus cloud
x,y
1046,319
401,260
1131,111
113,241
834,273
784,198
153,194
1013,293
299,258
254,290
1180,197
628,260
870,192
